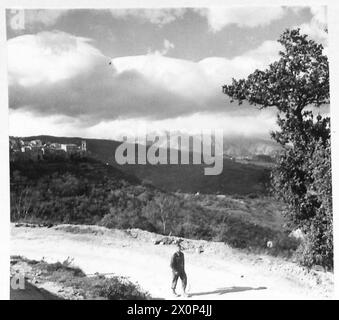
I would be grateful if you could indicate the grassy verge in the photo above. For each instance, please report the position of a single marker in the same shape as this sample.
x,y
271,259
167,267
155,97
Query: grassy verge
x,y
67,276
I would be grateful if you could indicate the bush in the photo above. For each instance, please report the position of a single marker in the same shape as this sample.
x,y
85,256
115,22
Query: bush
x,y
316,249
304,254
120,288
284,245
108,221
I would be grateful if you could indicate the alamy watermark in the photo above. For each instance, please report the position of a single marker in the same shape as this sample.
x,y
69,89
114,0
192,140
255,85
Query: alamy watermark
x,y
173,148
17,281
17,19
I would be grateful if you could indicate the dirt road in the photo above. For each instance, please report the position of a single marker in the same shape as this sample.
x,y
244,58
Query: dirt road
x,y
223,273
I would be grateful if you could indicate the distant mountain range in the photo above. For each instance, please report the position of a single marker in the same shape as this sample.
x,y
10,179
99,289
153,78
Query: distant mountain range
x,y
247,146
237,145
236,178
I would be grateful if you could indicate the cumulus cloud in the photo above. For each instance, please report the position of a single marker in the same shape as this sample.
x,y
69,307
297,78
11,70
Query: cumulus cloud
x,y
56,73
49,57
167,46
67,79
221,70
199,81
320,15
61,76
219,17
159,17
317,27
26,123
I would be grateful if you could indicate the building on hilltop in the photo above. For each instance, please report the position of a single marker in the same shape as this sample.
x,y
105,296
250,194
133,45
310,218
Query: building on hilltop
x,y
55,145
35,143
36,150
83,145
69,147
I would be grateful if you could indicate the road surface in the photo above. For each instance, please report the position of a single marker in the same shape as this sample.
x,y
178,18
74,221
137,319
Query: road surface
x,y
231,275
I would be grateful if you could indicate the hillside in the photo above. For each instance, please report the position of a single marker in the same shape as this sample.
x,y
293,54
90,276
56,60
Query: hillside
x,y
86,191
82,190
236,178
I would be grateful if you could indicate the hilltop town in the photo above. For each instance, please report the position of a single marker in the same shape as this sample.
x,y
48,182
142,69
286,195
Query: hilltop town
x,y
36,150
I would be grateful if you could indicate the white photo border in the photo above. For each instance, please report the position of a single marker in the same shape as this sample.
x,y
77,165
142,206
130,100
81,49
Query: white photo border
x,y
333,27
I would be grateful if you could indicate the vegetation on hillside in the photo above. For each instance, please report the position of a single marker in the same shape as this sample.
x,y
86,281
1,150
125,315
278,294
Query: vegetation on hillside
x,y
85,191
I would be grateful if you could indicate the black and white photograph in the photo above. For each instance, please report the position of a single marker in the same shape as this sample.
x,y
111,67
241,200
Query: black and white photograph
x,y
169,153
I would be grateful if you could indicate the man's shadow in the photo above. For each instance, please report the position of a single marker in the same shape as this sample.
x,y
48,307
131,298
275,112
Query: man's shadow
x,y
221,291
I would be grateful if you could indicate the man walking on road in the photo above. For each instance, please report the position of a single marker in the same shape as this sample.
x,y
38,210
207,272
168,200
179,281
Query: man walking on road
x,y
178,269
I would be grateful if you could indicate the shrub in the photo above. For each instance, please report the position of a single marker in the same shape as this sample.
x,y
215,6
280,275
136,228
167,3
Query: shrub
x,y
120,288
304,254
108,221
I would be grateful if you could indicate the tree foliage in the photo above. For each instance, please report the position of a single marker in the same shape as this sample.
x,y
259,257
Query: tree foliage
x,y
297,85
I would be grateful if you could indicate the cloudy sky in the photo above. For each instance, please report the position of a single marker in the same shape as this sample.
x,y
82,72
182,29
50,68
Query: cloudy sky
x,y
98,73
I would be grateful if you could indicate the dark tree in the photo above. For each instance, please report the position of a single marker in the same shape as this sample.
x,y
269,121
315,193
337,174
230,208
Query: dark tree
x,y
297,85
